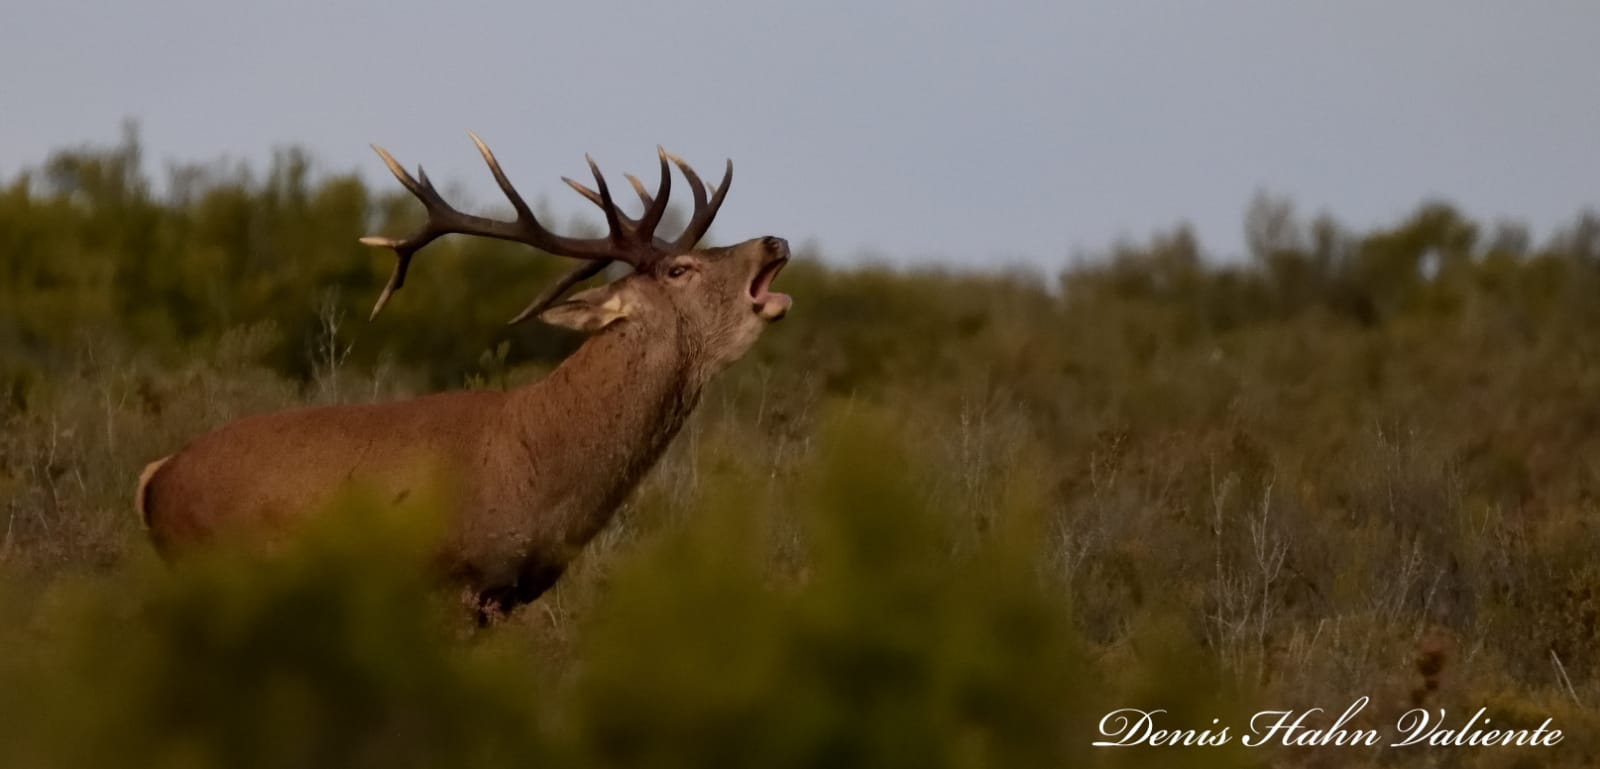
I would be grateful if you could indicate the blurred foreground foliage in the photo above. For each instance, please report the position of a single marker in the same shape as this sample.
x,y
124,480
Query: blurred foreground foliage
x,y
909,643
935,516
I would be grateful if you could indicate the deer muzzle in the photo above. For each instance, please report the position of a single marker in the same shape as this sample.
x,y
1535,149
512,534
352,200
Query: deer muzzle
x,y
768,304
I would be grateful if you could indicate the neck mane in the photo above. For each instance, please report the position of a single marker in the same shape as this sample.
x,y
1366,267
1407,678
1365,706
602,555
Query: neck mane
x,y
598,423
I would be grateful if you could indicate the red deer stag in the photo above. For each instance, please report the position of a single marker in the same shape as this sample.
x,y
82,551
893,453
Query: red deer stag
x,y
536,471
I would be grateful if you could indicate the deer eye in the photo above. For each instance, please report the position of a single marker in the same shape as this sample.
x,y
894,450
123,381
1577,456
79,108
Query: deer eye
x,y
677,271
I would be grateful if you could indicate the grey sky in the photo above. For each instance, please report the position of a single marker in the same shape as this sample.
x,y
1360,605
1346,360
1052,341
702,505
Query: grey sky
x,y
914,130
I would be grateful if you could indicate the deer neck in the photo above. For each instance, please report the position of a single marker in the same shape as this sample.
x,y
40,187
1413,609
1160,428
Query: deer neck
x,y
598,423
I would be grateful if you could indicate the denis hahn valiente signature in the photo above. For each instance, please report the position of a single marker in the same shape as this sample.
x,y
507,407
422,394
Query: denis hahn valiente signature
x,y
1130,727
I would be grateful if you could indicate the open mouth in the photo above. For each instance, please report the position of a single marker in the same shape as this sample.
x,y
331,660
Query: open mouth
x,y
767,304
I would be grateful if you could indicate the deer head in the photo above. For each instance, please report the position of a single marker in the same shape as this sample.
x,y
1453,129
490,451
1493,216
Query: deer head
x,y
719,299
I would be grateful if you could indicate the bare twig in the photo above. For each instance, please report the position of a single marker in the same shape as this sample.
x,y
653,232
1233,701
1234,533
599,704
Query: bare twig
x,y
1561,673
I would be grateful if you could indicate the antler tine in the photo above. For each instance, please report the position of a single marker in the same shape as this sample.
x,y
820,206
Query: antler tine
x,y
629,224
405,249
399,171
572,278
396,278
704,212
523,211
594,197
645,197
638,188
657,202
696,188
654,211
618,235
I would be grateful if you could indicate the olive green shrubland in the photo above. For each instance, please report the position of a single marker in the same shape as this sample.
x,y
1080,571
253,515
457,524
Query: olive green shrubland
x,y
935,517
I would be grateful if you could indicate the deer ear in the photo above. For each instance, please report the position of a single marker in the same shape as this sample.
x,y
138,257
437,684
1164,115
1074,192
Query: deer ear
x,y
591,310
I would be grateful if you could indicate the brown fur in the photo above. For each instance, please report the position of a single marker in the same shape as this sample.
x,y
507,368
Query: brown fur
x,y
536,472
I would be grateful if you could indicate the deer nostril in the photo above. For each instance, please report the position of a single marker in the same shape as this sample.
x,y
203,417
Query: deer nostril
x,y
775,244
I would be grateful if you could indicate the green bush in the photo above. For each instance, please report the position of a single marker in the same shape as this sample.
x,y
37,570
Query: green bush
x,y
336,653
896,646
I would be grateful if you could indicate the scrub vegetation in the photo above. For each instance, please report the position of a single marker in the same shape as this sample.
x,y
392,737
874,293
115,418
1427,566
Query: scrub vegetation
x,y
935,518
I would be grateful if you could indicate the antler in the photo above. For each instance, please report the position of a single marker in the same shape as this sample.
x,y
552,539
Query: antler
x,y
699,221
629,240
